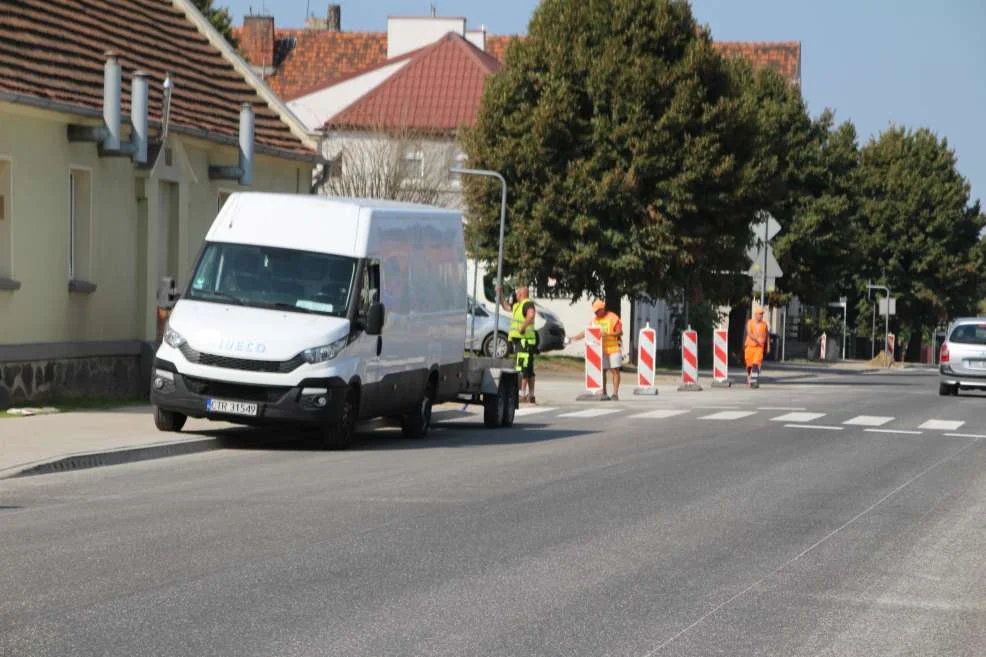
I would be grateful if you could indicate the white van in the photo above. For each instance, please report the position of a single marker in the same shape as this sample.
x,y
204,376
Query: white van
x,y
309,310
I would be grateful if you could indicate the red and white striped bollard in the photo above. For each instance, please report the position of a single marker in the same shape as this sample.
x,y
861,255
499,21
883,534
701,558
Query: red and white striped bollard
x,y
720,360
689,361
646,359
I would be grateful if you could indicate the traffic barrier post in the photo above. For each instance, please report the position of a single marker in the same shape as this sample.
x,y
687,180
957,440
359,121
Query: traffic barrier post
x,y
593,363
689,361
720,360
646,359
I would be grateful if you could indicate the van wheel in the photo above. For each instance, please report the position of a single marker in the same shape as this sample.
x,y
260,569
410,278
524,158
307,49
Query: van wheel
x,y
168,420
339,435
502,347
415,424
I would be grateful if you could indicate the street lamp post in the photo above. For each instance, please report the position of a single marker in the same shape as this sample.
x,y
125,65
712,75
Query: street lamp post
x,y
499,256
886,330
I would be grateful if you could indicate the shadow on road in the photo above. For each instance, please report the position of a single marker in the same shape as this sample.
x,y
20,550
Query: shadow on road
x,y
376,436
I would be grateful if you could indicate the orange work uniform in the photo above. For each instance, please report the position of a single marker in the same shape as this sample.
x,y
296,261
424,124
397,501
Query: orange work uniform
x,y
756,343
612,331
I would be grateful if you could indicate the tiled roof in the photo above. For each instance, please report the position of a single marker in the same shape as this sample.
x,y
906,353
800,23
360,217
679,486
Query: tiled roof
x,y
438,90
782,56
314,59
54,50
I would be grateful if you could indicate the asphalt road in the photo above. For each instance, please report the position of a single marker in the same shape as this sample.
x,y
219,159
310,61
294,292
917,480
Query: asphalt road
x,y
757,533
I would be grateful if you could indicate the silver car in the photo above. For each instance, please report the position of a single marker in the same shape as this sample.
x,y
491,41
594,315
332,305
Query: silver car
x,y
550,330
963,357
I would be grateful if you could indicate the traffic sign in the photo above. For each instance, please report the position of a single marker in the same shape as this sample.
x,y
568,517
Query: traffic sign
x,y
756,268
772,226
893,305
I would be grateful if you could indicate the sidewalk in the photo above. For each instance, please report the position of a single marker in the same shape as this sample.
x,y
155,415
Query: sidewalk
x,y
81,439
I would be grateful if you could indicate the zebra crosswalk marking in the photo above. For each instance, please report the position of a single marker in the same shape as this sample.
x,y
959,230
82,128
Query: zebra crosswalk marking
x,y
798,417
868,421
661,414
729,415
592,412
942,425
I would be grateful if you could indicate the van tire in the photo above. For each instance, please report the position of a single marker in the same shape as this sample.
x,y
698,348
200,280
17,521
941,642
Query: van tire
x,y
415,424
487,348
339,434
168,420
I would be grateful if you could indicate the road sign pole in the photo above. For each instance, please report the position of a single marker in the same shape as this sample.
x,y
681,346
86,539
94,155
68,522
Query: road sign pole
x,y
763,278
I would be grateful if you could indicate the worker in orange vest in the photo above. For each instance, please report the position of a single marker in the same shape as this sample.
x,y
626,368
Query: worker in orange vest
x,y
756,343
612,329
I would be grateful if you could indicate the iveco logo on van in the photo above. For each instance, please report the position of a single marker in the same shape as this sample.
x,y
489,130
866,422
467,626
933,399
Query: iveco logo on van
x,y
242,346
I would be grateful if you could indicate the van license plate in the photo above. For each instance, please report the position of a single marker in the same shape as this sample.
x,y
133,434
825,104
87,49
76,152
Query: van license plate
x,y
232,407
977,364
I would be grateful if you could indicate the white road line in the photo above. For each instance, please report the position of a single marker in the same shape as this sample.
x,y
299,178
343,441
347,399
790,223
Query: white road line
x,y
943,425
905,431
822,427
977,436
533,410
592,412
717,408
781,408
797,417
658,415
729,415
868,421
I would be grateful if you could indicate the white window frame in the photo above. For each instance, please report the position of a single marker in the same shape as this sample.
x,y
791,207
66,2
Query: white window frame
x,y
415,155
74,275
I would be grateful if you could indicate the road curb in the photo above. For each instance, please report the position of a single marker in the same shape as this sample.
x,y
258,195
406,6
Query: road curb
x,y
86,460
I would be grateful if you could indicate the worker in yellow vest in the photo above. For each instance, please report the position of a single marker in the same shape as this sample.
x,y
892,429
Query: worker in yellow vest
x,y
523,340
612,330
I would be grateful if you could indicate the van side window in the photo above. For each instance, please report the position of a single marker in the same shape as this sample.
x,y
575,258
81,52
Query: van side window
x,y
370,288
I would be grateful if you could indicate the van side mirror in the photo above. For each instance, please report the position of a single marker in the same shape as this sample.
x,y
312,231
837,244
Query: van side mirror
x,y
374,319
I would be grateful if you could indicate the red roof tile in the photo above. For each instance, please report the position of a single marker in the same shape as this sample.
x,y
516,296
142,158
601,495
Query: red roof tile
x,y
439,89
782,56
55,50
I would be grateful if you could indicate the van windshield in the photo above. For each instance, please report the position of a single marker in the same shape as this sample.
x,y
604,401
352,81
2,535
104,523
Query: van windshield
x,y
268,277
969,334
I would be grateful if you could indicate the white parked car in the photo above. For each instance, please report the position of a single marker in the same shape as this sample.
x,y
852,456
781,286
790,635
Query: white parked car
x,y
963,357
550,330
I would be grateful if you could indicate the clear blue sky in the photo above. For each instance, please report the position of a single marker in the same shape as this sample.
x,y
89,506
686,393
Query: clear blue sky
x,y
875,62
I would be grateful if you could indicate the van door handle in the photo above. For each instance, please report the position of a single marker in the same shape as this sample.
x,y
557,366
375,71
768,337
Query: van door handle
x,y
379,344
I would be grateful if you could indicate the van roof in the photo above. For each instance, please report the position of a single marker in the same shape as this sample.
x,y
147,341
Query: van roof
x,y
352,202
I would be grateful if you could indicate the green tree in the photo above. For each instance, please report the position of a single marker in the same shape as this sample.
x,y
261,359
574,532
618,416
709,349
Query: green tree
x,y
818,248
919,233
220,19
625,140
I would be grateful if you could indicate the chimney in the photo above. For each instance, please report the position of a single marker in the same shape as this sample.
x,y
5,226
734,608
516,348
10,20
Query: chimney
x,y
257,42
334,20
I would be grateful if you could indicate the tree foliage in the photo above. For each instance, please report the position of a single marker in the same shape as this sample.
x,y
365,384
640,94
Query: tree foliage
x,y
918,232
817,250
626,142
220,19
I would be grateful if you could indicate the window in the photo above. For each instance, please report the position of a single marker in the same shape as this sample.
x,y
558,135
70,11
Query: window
x,y
457,161
269,277
369,288
333,167
80,225
413,165
6,213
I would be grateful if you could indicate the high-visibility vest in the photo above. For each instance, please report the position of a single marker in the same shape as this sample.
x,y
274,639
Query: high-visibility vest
x,y
518,320
756,334
612,328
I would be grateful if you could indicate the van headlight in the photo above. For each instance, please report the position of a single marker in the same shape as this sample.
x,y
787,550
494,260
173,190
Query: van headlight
x,y
173,338
325,352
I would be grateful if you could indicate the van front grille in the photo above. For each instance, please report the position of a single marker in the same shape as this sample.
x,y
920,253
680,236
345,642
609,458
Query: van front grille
x,y
244,364
235,391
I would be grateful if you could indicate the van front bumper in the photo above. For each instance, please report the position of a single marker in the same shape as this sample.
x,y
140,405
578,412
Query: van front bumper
x,y
313,401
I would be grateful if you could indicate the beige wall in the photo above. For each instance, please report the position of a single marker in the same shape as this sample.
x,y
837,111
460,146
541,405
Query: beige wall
x,y
128,230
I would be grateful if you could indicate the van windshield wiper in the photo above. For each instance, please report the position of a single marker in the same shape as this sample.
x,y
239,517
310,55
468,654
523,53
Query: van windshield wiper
x,y
226,295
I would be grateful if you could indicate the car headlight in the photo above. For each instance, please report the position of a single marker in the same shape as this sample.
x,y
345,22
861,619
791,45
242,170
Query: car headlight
x,y
325,352
173,338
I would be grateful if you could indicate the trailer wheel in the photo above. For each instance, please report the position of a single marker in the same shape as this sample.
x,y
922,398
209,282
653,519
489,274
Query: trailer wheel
x,y
508,393
493,410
